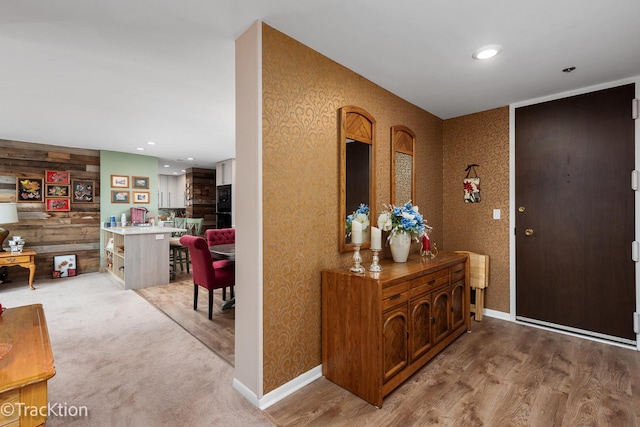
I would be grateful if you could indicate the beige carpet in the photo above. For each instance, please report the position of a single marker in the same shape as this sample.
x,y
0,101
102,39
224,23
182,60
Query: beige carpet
x,y
127,362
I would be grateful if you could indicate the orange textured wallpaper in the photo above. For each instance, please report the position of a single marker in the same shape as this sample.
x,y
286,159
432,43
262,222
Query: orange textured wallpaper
x,y
483,139
302,92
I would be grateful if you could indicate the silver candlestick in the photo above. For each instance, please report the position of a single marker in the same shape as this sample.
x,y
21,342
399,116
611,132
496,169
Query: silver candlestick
x,y
375,266
357,260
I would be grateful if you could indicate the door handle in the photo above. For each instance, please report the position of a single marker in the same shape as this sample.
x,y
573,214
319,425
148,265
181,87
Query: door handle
x,y
528,232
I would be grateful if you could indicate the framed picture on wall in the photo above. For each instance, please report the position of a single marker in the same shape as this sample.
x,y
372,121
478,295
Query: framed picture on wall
x,y
140,197
82,191
56,177
58,204
119,196
140,182
119,181
57,190
29,190
64,266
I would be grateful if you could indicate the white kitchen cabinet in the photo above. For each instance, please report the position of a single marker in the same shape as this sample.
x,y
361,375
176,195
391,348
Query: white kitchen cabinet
x,y
171,191
226,172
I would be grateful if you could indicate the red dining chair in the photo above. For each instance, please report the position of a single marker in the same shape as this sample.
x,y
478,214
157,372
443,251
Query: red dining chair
x,y
207,273
221,236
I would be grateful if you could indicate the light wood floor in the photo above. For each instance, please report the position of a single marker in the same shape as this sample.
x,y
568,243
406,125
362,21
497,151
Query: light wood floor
x,y
176,301
500,374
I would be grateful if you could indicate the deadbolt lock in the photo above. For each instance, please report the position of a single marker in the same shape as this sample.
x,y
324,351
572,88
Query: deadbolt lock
x,y
528,232
521,209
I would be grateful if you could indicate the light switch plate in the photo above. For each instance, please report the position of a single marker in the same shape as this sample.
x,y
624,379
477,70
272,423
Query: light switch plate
x,y
159,236
496,214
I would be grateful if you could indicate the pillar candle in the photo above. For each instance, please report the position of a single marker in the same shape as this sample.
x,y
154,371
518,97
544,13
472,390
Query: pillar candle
x,y
376,238
356,232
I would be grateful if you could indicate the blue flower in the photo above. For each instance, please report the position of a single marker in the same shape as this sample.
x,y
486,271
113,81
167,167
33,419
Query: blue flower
x,y
405,218
361,215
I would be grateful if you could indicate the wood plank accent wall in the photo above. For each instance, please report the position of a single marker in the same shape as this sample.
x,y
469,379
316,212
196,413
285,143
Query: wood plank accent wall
x,y
201,196
52,233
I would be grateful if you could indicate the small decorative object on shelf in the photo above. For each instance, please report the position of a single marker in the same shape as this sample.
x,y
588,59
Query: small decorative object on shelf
x,y
17,244
403,223
356,238
357,260
428,248
376,246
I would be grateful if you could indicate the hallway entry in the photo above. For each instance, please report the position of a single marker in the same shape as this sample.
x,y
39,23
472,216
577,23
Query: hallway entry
x,y
574,210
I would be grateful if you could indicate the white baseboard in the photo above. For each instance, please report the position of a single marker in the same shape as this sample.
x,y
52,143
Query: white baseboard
x,y
282,391
246,393
497,314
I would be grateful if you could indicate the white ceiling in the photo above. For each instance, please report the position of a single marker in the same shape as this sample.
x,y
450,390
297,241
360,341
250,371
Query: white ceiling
x,y
114,74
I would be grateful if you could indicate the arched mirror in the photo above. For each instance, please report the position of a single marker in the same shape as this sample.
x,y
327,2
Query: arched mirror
x,y
357,174
403,165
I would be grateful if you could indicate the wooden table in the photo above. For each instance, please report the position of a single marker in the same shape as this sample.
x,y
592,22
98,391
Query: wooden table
x,y
26,259
225,251
26,368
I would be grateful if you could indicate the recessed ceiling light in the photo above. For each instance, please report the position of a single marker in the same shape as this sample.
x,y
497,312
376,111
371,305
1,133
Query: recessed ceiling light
x,y
139,148
487,52
183,171
151,143
166,166
190,159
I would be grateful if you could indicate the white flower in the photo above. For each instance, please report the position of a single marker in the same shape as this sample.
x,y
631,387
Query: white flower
x,y
362,219
384,221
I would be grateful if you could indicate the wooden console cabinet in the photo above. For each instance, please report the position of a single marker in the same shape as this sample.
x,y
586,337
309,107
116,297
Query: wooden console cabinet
x,y
379,329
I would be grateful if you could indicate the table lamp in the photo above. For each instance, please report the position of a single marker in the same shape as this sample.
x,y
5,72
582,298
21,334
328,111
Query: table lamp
x,y
8,215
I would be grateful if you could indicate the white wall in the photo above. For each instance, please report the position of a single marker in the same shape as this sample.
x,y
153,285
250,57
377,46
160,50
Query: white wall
x,y
248,378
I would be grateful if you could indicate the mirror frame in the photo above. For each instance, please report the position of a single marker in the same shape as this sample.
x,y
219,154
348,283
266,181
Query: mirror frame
x,y
359,125
403,140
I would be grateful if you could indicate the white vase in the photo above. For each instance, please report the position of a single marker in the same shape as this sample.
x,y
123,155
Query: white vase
x,y
400,244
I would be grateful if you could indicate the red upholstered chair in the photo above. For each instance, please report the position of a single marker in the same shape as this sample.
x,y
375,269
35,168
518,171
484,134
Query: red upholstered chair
x,y
207,273
221,236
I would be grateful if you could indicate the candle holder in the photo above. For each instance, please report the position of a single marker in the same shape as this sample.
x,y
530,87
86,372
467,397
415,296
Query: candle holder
x,y
375,266
357,259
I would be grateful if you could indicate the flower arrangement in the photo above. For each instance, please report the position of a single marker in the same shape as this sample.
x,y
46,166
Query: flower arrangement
x,y
405,218
361,215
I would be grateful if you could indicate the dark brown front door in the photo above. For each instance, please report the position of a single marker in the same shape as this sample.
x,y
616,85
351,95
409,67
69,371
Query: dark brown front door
x,y
575,212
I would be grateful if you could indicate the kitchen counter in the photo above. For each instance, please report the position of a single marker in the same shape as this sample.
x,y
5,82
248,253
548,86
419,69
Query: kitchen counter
x,y
131,229
138,257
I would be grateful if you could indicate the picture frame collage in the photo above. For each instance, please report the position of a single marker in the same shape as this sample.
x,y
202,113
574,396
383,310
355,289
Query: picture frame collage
x,y
125,190
56,190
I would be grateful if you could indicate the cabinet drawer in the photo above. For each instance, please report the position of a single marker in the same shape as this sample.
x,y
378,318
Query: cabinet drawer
x,y
457,272
429,281
394,295
15,259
